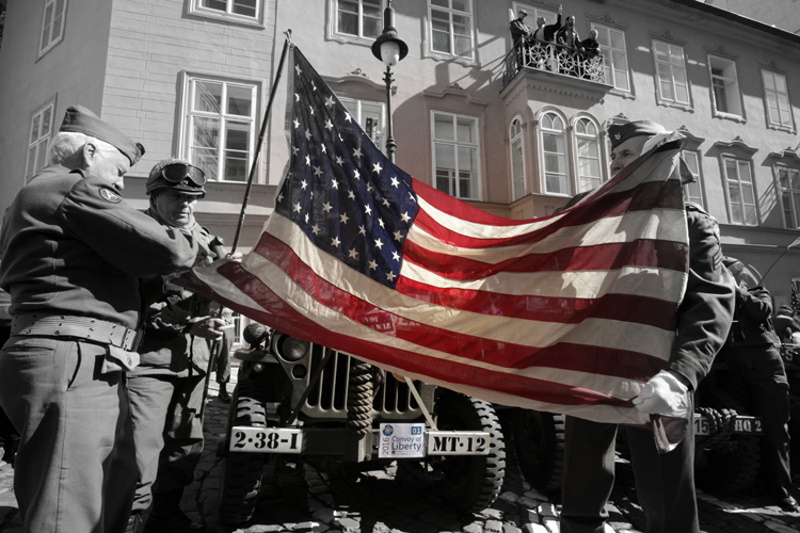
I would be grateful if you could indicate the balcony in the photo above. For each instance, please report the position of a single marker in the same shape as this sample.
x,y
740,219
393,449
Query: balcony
x,y
557,65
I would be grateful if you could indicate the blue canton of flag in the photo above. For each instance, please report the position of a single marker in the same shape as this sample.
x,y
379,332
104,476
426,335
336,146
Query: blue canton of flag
x,y
340,190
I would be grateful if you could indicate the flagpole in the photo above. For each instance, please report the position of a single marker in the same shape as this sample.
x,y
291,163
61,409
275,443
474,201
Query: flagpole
x,y
794,243
261,134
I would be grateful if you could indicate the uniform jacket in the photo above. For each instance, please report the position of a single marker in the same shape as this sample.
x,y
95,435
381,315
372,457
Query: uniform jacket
x,y
519,30
166,346
752,319
706,312
70,244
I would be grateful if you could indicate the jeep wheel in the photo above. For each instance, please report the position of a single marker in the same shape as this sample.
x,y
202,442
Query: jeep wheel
x,y
470,482
539,442
242,472
731,466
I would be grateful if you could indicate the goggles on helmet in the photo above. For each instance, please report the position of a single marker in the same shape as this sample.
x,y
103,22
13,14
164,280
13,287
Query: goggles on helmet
x,y
177,172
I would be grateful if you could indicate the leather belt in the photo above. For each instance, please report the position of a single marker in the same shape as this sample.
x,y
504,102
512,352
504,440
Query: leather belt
x,y
80,327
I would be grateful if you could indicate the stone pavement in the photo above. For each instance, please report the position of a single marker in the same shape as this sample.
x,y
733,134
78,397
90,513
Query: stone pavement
x,y
304,499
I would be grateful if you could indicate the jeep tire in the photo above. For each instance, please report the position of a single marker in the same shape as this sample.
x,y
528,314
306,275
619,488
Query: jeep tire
x,y
538,439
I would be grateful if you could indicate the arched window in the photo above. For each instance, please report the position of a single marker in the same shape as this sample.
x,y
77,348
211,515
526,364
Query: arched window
x,y
554,154
587,148
517,154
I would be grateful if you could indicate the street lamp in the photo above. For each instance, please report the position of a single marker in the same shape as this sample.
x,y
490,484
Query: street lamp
x,y
390,49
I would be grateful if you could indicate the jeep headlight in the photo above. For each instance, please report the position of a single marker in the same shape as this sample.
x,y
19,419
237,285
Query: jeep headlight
x,y
292,349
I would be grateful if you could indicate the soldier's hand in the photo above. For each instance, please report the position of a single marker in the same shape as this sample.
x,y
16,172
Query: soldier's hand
x,y
208,328
665,395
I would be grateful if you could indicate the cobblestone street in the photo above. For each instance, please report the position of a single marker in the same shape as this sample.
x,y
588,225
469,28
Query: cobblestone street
x,y
302,498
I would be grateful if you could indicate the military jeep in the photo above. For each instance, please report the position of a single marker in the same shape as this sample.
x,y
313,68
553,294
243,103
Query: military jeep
x,y
300,400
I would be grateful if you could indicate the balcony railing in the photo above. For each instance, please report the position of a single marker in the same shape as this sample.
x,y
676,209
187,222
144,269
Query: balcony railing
x,y
554,58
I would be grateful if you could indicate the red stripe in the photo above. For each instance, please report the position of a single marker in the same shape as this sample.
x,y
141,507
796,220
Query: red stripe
x,y
612,256
284,318
622,307
645,197
604,361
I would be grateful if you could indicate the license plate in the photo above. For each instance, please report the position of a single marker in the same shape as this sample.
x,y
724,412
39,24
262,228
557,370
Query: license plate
x,y
458,443
744,425
266,440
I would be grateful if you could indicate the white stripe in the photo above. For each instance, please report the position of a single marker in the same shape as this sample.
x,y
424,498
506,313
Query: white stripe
x,y
657,224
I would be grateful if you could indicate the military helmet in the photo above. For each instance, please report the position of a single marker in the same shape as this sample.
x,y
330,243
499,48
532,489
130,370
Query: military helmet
x,y
178,175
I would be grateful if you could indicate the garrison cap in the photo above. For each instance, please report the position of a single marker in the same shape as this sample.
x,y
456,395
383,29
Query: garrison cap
x,y
619,133
82,120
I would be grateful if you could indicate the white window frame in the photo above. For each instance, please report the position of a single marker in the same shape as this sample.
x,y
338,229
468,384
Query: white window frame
x,y
375,132
582,139
777,106
362,15
516,156
562,174
693,192
196,7
454,181
789,192
745,188
615,59
53,23
39,134
451,14
724,85
189,115
675,70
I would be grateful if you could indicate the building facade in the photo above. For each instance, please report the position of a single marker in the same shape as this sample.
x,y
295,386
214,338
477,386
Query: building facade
x,y
473,116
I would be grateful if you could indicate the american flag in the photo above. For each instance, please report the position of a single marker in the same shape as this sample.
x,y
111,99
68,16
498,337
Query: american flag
x,y
569,313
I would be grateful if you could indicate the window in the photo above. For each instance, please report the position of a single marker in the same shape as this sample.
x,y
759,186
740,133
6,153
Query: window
x,y
451,27
455,155
724,86
789,182
741,192
776,100
361,18
370,116
52,24
587,147
220,126
693,192
241,10
615,57
554,153
673,87
517,154
41,129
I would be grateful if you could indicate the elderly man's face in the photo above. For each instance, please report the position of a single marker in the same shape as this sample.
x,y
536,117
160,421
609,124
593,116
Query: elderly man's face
x,y
107,163
627,152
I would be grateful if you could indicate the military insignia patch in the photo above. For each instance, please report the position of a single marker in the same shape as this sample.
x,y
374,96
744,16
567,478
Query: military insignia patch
x,y
109,195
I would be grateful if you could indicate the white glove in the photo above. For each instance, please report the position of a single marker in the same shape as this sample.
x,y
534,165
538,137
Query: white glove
x,y
665,395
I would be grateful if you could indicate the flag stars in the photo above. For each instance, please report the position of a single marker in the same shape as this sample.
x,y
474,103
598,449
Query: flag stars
x,y
405,217
339,160
396,256
343,218
353,253
373,265
335,184
386,202
348,118
378,244
317,170
398,236
335,242
329,102
308,160
297,69
380,221
357,175
376,168
296,123
357,153
362,230
327,207
390,277
395,182
367,209
328,125
303,185
315,229
311,110
308,135
351,195
297,207
296,97
323,149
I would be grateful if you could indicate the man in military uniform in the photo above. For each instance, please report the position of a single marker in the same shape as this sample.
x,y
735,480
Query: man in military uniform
x,y
168,386
664,481
73,252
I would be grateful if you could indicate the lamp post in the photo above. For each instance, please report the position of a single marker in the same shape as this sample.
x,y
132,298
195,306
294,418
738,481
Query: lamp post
x,y
390,49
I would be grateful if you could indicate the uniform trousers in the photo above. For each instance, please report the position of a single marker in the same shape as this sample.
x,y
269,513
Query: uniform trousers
x,y
757,373
75,469
168,432
664,482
